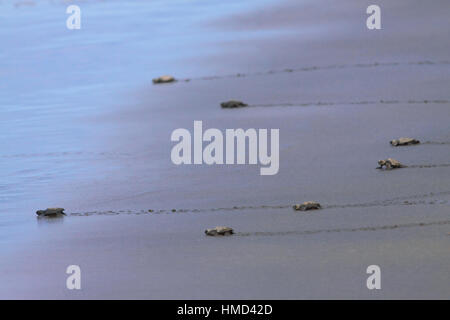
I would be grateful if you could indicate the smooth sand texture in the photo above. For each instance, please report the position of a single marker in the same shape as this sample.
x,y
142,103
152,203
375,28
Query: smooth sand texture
x,y
113,154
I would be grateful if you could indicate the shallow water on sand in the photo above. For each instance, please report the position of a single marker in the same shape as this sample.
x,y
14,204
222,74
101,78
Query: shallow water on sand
x,y
59,85
83,128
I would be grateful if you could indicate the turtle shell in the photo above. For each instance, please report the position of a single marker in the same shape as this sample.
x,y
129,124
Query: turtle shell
x,y
404,142
233,104
219,231
50,212
394,163
308,205
164,79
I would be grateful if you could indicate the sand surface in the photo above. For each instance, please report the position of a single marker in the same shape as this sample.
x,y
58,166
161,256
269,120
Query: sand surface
x,y
83,128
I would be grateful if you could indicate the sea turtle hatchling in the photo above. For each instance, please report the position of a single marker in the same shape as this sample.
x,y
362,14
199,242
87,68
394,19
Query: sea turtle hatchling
x,y
403,142
308,205
163,79
390,164
233,104
219,231
51,212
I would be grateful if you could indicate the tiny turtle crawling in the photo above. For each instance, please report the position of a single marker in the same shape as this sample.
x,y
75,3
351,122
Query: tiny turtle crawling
x,y
404,142
390,164
51,212
233,104
219,231
163,79
308,205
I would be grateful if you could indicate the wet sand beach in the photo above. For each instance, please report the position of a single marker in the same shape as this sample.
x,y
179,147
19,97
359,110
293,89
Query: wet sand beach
x,y
83,128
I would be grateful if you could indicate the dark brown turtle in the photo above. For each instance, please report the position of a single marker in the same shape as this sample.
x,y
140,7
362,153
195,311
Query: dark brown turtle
x,y
51,212
308,205
233,104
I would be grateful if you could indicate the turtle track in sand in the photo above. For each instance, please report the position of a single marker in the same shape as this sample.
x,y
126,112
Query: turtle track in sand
x,y
108,154
426,166
435,142
407,200
315,68
342,103
105,154
337,230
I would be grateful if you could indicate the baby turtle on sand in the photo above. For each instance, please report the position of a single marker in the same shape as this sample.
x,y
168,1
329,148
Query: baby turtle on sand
x,y
390,164
308,205
163,79
404,142
51,212
233,104
219,231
